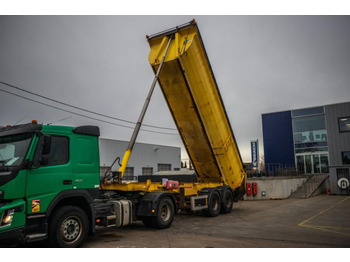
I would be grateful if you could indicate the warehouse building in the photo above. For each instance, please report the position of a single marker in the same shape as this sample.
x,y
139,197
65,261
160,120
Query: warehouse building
x,y
311,141
145,159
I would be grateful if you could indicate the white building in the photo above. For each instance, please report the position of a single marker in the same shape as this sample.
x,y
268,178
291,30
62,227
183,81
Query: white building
x,y
145,159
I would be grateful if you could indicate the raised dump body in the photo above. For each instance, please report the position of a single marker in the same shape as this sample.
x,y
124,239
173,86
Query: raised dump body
x,y
191,92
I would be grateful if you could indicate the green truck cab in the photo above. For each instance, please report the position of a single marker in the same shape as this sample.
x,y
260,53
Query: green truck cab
x,y
48,173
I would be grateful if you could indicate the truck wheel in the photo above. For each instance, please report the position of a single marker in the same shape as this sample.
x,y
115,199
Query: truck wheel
x,y
227,201
69,227
165,213
214,204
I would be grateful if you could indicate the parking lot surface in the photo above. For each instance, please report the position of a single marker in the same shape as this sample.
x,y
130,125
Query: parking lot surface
x,y
317,222
321,221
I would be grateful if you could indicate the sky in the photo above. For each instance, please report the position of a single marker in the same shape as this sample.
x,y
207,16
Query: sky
x,y
262,64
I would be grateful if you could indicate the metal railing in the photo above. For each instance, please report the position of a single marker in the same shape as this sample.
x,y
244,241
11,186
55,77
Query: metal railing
x,y
276,170
310,186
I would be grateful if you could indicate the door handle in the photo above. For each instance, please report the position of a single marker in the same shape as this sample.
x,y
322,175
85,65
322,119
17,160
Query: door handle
x,y
67,182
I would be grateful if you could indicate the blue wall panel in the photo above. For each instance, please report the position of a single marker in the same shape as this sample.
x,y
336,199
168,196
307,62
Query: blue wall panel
x,y
278,140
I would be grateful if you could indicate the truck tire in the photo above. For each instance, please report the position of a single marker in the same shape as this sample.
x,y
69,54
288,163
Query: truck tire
x,y
165,213
214,204
227,201
69,227
164,217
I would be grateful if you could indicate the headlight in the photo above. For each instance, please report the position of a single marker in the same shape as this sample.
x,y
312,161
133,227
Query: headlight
x,y
7,217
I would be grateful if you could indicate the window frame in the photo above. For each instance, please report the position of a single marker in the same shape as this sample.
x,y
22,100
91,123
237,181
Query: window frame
x,y
148,168
131,170
339,126
164,164
342,157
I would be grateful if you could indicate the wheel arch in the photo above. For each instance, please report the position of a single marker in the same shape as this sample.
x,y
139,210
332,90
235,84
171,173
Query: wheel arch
x,y
79,198
150,202
223,188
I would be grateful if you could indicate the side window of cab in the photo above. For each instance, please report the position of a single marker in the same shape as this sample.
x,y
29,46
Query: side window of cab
x,y
58,153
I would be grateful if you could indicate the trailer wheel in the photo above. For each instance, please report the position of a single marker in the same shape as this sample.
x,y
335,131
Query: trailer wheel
x,y
214,204
69,227
164,215
227,201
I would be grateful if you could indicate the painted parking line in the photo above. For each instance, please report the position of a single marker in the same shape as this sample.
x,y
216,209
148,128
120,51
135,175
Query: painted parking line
x,y
332,229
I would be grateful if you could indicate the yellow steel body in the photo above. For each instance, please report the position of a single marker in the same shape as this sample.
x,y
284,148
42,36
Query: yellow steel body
x,y
189,87
192,95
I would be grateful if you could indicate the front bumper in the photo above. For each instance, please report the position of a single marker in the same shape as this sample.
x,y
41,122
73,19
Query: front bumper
x,y
13,236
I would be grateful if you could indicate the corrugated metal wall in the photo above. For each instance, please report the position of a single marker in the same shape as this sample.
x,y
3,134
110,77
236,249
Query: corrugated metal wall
x,y
278,139
338,142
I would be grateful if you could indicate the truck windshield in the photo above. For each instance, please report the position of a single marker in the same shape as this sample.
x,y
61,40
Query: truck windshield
x,y
13,149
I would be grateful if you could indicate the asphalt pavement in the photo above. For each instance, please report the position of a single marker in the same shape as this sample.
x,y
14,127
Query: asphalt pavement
x,y
317,222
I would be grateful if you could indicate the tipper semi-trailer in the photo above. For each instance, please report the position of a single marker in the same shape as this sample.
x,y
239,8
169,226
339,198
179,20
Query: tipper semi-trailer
x,y
50,185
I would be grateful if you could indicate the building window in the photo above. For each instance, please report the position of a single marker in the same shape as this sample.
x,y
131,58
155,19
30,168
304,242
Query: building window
x,y
147,171
129,172
310,140
311,123
345,157
342,172
164,167
344,124
308,111
103,170
310,134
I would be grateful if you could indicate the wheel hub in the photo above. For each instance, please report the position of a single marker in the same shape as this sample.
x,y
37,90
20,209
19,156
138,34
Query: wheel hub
x,y
71,229
165,213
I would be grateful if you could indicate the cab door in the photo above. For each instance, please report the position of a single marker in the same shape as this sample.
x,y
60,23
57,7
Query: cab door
x,y
52,175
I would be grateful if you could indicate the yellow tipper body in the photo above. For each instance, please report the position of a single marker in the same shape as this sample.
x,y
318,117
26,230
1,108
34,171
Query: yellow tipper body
x,y
190,90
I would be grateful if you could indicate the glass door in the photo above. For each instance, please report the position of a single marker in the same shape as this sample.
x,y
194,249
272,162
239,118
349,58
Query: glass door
x,y
312,163
316,163
300,164
308,164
